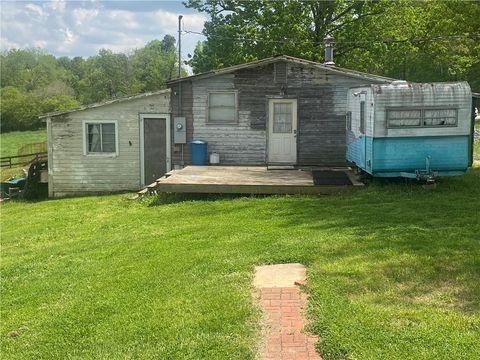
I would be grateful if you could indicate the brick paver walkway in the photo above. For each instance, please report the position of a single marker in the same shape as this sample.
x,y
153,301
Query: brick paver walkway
x,y
285,339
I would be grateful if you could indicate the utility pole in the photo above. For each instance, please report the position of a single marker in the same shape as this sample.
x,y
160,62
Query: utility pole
x,y
179,112
180,46
180,64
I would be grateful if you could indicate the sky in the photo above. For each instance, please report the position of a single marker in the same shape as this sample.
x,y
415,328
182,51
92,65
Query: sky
x,y
82,28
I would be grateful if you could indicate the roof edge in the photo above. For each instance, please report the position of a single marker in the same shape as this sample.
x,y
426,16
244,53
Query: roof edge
x,y
103,103
266,61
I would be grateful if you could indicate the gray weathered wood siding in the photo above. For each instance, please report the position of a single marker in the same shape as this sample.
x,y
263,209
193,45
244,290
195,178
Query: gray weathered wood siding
x,y
239,143
186,111
322,103
72,173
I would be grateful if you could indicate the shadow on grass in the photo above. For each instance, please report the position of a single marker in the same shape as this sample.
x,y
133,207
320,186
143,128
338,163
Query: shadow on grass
x,y
173,198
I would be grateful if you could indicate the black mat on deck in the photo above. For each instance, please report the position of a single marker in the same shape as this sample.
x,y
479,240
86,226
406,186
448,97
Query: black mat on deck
x,y
330,177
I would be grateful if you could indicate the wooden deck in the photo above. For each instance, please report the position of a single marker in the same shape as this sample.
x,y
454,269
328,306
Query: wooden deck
x,y
245,180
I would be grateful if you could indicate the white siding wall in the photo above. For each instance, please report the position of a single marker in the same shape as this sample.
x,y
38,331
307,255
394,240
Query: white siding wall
x,y
354,107
72,172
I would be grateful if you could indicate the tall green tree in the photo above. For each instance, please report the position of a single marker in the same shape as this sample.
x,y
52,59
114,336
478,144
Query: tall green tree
x,y
29,69
155,63
413,40
34,82
19,110
106,76
240,30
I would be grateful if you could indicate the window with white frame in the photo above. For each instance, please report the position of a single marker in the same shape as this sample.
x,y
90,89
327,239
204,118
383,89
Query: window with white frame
x,y
440,117
222,107
101,137
435,117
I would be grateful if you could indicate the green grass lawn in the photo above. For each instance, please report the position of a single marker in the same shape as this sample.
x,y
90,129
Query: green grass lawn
x,y
10,143
476,150
393,273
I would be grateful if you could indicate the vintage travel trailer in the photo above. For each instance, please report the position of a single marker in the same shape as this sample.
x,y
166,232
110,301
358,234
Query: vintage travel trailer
x,y
410,130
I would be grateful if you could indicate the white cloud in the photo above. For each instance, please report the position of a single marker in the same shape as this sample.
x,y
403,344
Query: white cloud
x,y
82,16
125,18
82,28
57,5
69,36
7,44
40,43
34,9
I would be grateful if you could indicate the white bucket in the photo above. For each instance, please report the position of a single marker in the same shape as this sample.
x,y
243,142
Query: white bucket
x,y
214,158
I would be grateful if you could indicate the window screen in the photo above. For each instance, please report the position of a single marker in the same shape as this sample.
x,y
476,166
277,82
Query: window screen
x,y
101,138
400,118
222,107
440,117
397,118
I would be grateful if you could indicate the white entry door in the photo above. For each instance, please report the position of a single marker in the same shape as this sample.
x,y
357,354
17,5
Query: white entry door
x,y
282,131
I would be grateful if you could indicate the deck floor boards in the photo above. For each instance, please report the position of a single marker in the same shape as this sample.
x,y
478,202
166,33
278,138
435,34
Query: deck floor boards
x,y
247,180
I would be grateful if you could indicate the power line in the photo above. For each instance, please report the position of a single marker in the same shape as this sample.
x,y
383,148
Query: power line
x,y
343,42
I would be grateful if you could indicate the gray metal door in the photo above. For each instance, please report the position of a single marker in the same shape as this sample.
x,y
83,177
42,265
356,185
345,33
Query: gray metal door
x,y
155,149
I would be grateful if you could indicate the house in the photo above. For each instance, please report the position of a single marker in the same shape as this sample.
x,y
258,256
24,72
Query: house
x,y
115,145
280,110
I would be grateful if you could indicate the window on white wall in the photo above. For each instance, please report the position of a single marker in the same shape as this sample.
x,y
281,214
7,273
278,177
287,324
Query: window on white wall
x,y
101,137
222,107
398,118
404,118
440,117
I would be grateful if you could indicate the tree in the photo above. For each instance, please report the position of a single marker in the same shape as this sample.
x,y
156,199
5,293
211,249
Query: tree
x,y
154,64
20,110
106,76
240,31
417,41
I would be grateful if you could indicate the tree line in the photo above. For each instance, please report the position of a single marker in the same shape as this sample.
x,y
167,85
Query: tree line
x,y
34,82
413,40
406,39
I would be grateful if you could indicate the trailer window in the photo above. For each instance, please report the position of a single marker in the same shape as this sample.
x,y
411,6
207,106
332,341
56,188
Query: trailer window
x,y
362,117
440,117
404,118
435,117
